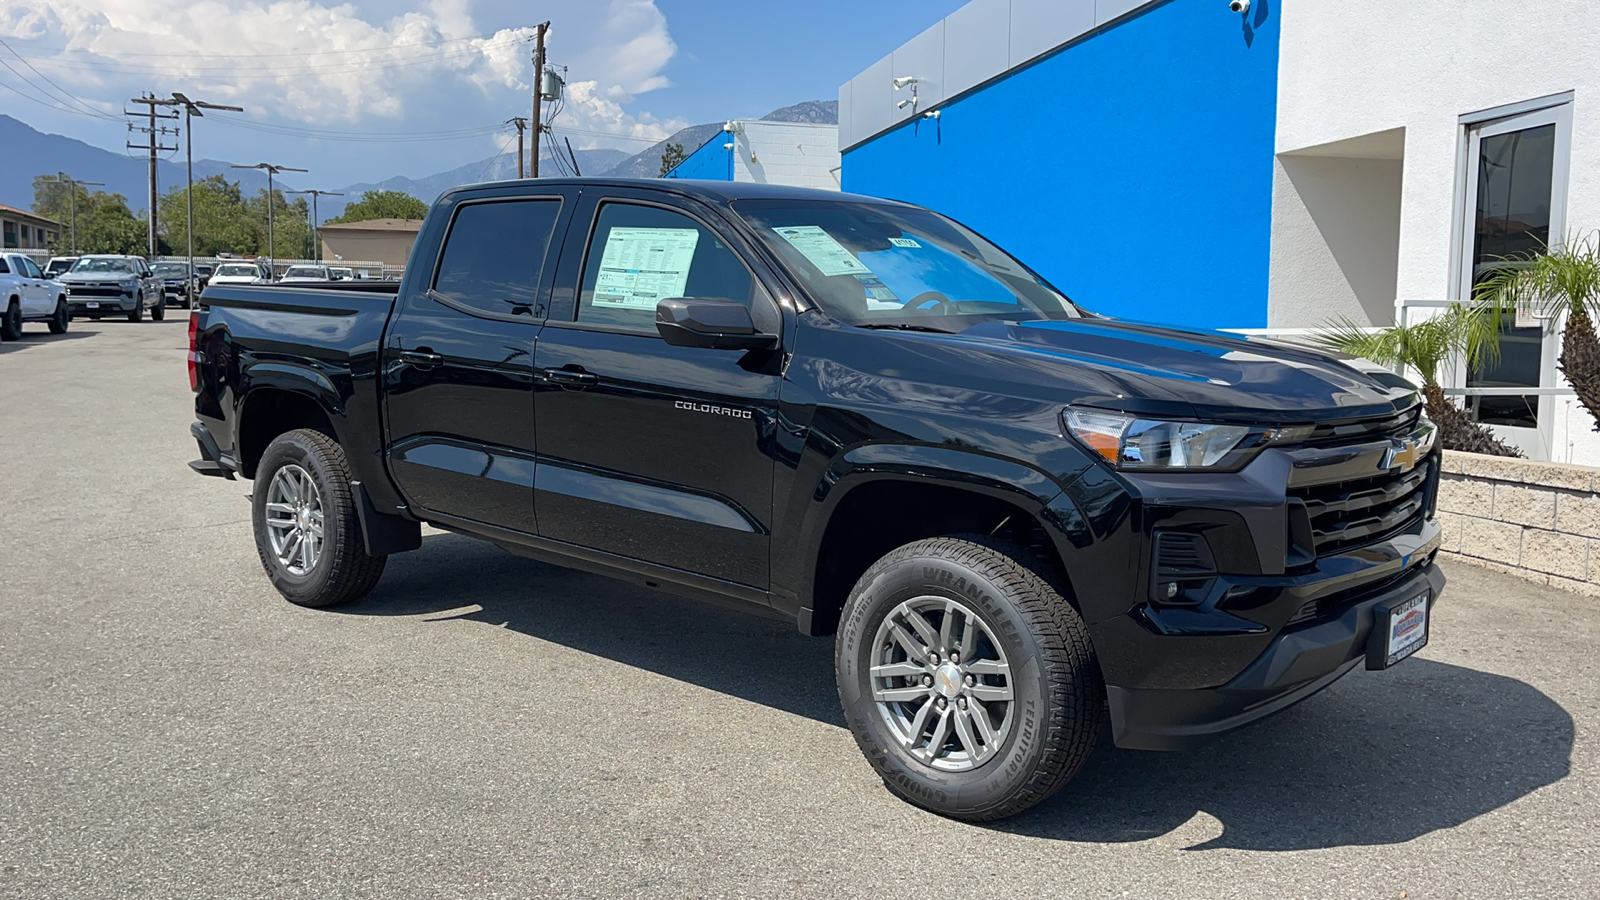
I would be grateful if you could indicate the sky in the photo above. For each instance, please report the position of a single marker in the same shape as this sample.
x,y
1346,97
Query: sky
x,y
368,89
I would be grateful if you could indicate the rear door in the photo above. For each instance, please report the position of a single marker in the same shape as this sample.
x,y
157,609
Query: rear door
x,y
649,451
458,363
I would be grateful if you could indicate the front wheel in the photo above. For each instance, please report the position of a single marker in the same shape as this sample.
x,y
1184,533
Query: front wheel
x,y
11,322
137,315
158,312
61,318
967,679
307,533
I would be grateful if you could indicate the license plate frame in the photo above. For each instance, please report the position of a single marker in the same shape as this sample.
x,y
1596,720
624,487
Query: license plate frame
x,y
1399,629
91,304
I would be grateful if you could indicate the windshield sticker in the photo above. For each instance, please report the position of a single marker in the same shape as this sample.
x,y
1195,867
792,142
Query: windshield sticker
x,y
828,255
878,294
905,242
642,266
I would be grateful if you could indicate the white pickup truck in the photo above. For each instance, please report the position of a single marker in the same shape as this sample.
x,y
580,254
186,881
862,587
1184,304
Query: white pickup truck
x,y
28,296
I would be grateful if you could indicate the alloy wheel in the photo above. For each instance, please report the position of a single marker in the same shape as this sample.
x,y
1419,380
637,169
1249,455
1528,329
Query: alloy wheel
x,y
294,519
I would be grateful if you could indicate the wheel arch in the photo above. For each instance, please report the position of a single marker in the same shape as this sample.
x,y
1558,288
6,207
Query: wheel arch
x,y
289,399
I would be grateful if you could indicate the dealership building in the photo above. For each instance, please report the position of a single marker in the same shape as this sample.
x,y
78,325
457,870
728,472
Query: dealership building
x,y
1276,167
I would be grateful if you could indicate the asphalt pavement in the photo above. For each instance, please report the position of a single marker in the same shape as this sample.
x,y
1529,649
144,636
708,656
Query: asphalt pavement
x,y
486,726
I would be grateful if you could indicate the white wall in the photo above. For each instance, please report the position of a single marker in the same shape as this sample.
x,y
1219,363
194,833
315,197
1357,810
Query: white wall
x,y
1356,67
787,153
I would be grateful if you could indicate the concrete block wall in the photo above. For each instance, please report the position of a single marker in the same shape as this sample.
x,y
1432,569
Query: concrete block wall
x,y
1538,520
790,153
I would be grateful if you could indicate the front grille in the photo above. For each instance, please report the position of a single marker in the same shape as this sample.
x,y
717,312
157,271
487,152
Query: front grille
x,y
1333,603
1336,433
94,290
1350,514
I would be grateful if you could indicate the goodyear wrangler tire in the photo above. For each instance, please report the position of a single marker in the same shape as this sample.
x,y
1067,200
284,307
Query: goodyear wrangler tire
x,y
967,679
308,534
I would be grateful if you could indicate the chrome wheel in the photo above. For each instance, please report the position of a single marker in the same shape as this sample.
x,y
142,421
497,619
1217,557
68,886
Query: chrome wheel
x,y
942,683
294,519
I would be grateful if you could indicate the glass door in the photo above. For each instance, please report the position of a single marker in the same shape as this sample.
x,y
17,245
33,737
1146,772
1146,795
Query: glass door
x,y
1514,196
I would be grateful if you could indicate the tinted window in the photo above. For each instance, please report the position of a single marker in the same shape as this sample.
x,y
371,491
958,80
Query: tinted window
x,y
251,271
116,266
640,255
494,254
30,268
4,269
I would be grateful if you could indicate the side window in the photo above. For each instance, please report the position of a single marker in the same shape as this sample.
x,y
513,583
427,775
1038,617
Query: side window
x,y
494,254
4,269
640,255
30,268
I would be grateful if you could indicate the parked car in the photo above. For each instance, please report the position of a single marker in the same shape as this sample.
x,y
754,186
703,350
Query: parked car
x,y
28,295
180,284
859,416
236,273
306,273
343,273
204,271
106,284
58,265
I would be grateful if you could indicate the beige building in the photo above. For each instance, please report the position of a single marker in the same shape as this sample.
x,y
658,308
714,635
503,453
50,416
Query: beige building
x,y
375,240
23,230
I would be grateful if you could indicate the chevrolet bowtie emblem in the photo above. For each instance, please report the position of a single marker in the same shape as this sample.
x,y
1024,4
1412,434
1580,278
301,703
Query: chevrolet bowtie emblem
x,y
1403,454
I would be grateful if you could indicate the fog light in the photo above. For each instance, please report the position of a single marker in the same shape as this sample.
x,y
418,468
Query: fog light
x,y
1172,589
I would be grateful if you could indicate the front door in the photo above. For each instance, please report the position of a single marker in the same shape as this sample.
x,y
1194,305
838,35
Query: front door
x,y
458,365
1515,205
646,450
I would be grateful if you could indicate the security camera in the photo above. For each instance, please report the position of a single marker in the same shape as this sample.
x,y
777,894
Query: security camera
x,y
903,81
904,103
1239,6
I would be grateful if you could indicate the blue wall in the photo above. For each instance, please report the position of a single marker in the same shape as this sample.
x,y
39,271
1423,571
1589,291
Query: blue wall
x,y
710,162
1132,169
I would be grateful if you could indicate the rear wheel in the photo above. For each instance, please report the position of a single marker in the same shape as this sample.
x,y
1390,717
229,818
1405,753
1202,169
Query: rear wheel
x,y
307,533
968,680
11,322
61,317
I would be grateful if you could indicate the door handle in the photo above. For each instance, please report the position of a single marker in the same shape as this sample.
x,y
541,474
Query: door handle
x,y
571,377
422,358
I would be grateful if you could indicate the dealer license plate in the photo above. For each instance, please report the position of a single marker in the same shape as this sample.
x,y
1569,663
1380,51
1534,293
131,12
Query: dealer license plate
x,y
1404,632
92,304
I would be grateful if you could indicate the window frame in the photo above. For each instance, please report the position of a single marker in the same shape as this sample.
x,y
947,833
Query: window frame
x,y
759,289
541,305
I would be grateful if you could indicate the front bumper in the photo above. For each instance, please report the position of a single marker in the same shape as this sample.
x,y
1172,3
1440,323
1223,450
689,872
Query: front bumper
x,y
80,304
1297,663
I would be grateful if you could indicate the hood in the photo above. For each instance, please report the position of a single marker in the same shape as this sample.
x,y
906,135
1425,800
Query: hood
x,y
1166,371
96,277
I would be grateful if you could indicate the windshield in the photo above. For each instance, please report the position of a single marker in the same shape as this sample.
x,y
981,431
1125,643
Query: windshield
x,y
890,266
239,270
120,266
168,269
203,270
304,272
57,266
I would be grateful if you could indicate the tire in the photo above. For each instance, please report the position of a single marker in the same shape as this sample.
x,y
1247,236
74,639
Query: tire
x,y
341,570
158,312
11,322
1007,615
137,315
61,318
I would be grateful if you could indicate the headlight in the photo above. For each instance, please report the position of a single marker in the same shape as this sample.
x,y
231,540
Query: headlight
x,y
1129,442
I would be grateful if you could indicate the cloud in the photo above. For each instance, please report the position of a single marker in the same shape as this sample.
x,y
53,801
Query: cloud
x,y
337,67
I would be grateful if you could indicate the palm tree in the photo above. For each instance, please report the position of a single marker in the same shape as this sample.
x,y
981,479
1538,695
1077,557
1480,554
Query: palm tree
x,y
1562,280
1465,333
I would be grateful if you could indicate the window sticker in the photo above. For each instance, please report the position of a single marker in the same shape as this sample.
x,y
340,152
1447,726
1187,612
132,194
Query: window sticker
x,y
642,266
908,243
818,246
878,294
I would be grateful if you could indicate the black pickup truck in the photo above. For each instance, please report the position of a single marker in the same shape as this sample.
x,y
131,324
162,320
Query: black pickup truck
x,y
1024,522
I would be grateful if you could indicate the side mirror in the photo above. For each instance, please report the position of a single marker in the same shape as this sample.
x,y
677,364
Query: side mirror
x,y
711,322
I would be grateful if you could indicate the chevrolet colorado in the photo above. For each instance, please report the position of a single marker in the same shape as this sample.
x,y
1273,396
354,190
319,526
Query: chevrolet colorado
x,y
1023,522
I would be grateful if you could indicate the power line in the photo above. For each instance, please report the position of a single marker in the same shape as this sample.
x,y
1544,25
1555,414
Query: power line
x,y
342,68
187,55
91,110
609,134
377,137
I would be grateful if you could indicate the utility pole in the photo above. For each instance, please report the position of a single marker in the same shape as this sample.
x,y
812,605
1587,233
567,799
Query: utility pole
x,y
272,249
72,200
191,108
151,102
522,125
316,240
538,98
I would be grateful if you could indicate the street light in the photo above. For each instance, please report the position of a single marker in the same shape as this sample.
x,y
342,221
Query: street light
x,y
271,171
72,199
192,108
316,243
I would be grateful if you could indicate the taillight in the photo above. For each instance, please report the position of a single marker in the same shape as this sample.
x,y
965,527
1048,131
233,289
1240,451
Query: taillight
x,y
194,350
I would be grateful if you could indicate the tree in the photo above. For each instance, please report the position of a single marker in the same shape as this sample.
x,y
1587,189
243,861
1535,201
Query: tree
x,y
1461,333
221,224
383,205
105,223
289,224
1563,281
671,156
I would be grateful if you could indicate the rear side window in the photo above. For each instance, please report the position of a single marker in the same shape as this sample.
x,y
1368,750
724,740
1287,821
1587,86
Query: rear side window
x,y
4,269
641,255
494,254
31,268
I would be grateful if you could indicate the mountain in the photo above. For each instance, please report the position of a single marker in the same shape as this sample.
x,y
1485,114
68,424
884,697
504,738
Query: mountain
x,y
648,163
494,168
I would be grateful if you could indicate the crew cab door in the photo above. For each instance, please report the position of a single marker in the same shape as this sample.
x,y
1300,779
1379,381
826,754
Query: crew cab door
x,y
458,363
646,450
38,299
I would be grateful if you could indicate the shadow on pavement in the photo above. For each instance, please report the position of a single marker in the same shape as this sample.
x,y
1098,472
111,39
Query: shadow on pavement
x,y
1378,758
35,335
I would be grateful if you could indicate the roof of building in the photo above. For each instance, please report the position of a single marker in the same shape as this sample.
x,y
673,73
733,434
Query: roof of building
x,y
22,213
710,191
412,225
